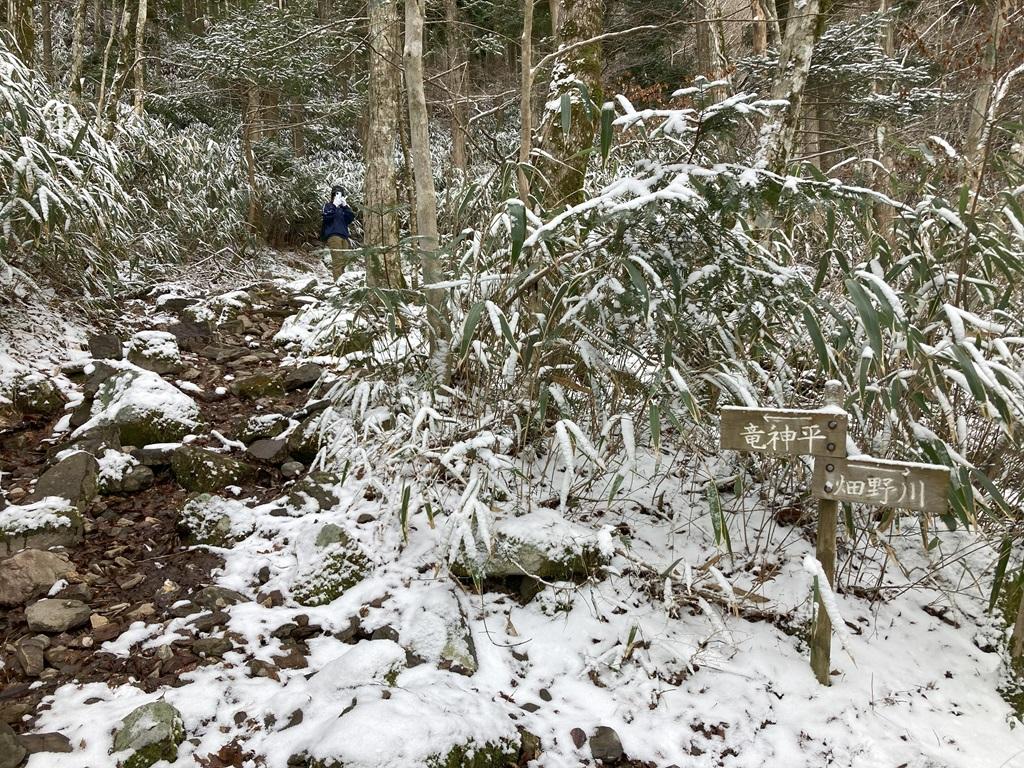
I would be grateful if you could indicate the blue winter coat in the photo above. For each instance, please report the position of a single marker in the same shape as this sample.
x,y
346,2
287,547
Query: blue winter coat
x,y
336,221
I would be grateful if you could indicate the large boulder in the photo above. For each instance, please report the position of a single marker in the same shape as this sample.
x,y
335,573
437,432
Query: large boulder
x,y
73,478
152,732
542,545
204,471
155,351
302,376
53,616
215,520
49,522
30,574
144,407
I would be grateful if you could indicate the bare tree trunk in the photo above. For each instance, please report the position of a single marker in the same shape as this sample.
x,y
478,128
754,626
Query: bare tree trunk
x,y
566,153
19,16
296,117
777,137
426,195
97,23
883,213
101,98
772,14
249,116
380,222
140,52
47,20
78,51
526,103
812,135
458,63
555,8
974,145
711,55
121,70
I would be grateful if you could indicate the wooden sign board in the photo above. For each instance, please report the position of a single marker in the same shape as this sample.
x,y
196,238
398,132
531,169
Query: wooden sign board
x,y
784,432
920,487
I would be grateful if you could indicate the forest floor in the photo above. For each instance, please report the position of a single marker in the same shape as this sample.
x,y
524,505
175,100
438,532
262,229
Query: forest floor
x,y
313,631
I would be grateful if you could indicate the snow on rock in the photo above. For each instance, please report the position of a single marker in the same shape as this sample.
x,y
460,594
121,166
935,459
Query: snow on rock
x,y
143,406
49,522
155,351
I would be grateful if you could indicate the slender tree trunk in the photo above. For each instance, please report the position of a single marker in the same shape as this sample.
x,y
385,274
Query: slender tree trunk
x,y
772,14
426,196
101,97
526,103
19,16
974,145
777,137
47,30
296,117
78,51
883,214
97,24
711,55
563,164
140,52
458,63
249,117
121,70
380,222
555,8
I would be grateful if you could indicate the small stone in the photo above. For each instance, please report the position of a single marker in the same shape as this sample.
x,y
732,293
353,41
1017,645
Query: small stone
x,y
210,621
258,668
152,732
106,346
293,659
158,455
29,652
35,743
258,385
16,494
530,707
578,736
292,469
544,694
12,752
132,582
364,518
141,613
263,575
605,745
97,620
51,615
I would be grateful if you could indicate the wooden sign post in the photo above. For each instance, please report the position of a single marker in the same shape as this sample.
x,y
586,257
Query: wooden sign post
x,y
861,480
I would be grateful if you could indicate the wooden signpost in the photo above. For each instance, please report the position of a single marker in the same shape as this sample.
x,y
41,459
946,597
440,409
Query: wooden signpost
x,y
860,480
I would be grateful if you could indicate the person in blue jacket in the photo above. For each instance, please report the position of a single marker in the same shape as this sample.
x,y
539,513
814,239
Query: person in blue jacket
x,y
334,230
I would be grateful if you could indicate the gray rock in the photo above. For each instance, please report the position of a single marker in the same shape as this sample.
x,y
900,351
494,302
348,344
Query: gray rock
x,y
274,451
151,733
72,478
208,519
35,743
205,471
155,351
99,372
51,615
157,455
106,346
135,479
12,752
175,304
29,574
214,598
292,469
192,335
315,492
29,651
304,442
45,524
222,354
306,375
94,440
212,646
262,427
437,631
605,745
144,408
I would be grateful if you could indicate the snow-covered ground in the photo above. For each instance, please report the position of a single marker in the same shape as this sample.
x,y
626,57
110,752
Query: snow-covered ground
x,y
693,656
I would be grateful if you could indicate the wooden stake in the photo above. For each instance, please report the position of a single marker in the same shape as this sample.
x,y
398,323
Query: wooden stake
x,y
828,522
821,641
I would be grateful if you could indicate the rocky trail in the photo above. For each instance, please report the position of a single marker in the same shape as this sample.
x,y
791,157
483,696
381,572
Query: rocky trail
x,y
126,557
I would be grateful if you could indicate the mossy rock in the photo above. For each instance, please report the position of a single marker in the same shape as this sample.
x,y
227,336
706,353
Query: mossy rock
x,y
205,471
60,526
342,566
207,519
172,415
34,393
317,487
513,558
503,754
304,442
155,351
153,732
258,385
